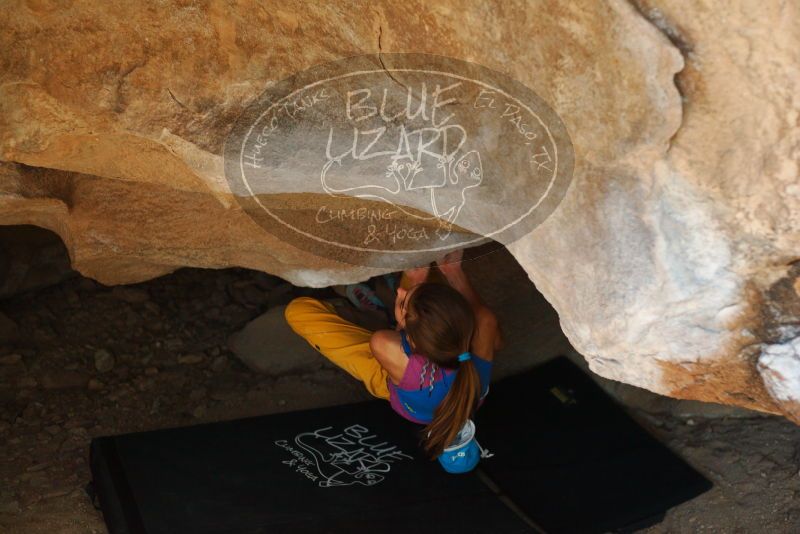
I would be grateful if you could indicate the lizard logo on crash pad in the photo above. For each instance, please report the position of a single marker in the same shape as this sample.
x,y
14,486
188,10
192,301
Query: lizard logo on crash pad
x,y
335,459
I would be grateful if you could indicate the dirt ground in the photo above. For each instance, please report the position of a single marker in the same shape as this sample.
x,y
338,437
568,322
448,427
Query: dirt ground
x,y
91,360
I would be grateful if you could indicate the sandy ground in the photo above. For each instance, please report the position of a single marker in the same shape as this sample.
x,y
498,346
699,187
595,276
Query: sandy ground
x,y
92,360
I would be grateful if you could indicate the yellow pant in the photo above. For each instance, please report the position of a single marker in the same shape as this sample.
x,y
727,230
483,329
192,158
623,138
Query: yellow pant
x,y
342,342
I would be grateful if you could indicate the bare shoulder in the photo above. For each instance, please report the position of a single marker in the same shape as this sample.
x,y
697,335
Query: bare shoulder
x,y
486,339
387,348
387,341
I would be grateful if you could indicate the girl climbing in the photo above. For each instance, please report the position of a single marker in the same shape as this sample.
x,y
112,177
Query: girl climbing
x,y
435,367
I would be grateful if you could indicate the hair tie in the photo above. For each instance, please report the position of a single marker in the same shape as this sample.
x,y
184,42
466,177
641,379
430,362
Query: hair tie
x,y
464,356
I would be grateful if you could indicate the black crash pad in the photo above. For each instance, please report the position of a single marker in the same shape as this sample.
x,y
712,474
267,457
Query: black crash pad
x,y
567,459
572,459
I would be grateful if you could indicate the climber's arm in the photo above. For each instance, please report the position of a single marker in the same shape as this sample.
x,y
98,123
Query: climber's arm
x,y
488,334
457,278
387,348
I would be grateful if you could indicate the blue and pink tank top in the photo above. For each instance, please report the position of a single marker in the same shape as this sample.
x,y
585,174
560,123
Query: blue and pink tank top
x,y
424,385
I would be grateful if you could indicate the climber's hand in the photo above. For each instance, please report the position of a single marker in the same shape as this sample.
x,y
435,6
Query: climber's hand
x,y
417,275
451,261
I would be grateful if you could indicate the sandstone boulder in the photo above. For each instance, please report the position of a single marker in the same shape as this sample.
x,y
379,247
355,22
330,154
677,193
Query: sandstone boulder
x,y
669,260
